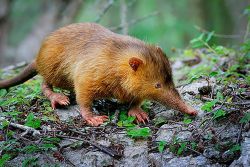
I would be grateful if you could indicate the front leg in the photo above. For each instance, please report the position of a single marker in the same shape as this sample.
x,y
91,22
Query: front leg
x,y
85,97
140,115
90,118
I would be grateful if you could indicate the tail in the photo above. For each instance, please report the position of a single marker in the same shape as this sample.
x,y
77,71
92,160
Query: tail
x,y
26,74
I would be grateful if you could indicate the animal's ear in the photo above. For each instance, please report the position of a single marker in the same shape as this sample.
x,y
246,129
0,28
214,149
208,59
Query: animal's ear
x,y
135,63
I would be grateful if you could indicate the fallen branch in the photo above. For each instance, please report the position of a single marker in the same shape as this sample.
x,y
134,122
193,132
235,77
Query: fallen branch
x,y
102,148
26,129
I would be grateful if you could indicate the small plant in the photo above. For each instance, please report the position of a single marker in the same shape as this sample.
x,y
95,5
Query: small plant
x,y
33,122
161,146
245,118
30,162
139,132
4,159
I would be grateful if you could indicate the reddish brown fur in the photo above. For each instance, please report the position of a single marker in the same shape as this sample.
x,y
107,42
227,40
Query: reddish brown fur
x,y
97,63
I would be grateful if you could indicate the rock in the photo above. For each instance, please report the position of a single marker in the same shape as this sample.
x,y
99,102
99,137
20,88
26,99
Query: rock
x,y
167,132
135,156
68,112
227,156
177,65
105,143
75,156
121,138
178,162
193,87
41,160
211,153
66,142
98,159
244,160
165,114
158,159
230,133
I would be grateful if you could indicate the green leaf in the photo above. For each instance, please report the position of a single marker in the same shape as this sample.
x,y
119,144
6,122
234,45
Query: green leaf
x,y
187,121
47,146
139,132
4,124
4,159
31,121
245,118
197,42
209,36
30,149
208,105
219,96
235,148
182,148
219,113
30,162
146,105
123,116
161,145
213,74
51,140
3,92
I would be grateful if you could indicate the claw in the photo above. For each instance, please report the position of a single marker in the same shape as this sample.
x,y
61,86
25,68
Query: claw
x,y
58,99
96,120
141,116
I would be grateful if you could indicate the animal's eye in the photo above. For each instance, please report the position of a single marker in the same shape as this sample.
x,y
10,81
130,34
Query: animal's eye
x,y
157,85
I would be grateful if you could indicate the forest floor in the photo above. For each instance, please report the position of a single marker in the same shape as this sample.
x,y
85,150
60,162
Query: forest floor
x,y
215,81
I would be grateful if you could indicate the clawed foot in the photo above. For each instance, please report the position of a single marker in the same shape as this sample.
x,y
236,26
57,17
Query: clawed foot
x,y
95,120
139,114
58,98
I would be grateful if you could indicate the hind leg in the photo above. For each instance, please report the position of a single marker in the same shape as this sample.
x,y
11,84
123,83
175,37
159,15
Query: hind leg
x,y
55,98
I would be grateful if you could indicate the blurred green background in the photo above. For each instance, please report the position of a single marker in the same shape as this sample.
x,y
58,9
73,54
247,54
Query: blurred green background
x,y
167,23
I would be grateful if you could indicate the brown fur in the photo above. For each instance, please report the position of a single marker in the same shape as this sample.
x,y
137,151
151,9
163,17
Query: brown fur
x,y
97,63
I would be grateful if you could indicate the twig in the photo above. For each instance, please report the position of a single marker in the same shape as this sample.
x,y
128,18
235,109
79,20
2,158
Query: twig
x,y
133,22
104,10
239,134
102,148
218,35
26,129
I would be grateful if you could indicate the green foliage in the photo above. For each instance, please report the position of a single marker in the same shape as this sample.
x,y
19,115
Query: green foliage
x,y
33,122
30,162
235,148
30,149
208,105
125,121
202,40
159,121
146,105
245,118
51,140
161,145
4,124
139,132
181,148
219,113
4,159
